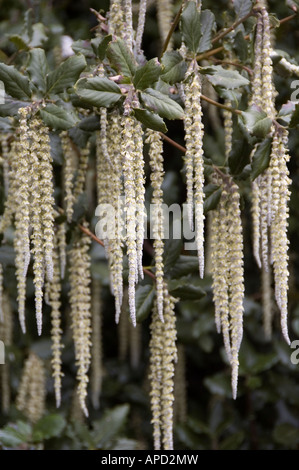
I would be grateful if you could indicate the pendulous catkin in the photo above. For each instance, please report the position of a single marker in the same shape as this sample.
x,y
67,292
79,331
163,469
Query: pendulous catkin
x,y
32,389
163,355
80,301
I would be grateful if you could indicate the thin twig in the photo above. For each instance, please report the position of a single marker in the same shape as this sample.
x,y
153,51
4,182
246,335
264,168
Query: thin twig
x,y
173,143
219,105
232,27
172,29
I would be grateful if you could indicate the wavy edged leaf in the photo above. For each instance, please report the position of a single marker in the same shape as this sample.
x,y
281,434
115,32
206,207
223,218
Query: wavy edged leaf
x,y
144,299
161,104
10,107
66,75
242,7
121,58
256,121
207,25
48,427
150,120
261,158
100,45
212,197
38,68
98,91
186,289
230,79
174,67
147,75
16,84
191,26
58,118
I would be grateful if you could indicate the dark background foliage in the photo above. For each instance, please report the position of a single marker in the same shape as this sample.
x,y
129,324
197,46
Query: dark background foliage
x,y
266,412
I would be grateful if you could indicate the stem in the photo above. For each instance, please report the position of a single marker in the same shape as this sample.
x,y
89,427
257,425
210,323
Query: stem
x,y
173,143
232,27
172,29
219,105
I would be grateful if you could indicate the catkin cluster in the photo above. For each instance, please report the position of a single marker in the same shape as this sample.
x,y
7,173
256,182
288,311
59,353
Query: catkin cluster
x,y
194,131
157,218
80,301
163,356
32,389
30,202
270,193
227,273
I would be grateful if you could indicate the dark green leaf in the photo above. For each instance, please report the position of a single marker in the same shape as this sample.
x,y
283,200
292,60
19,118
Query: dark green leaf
x,y
83,47
172,251
161,104
242,7
144,301
212,197
107,429
16,84
185,289
48,427
98,91
261,158
286,434
38,68
58,118
10,107
256,121
100,45
19,42
66,75
207,24
191,26
287,110
121,58
147,75
241,46
239,156
229,79
11,437
184,265
90,123
233,441
174,67
150,120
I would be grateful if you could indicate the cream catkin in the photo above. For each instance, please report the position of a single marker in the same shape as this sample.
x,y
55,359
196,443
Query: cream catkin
x,y
140,26
165,15
270,190
128,156
194,158
116,18
5,151
163,355
61,241
96,341
140,193
32,390
82,170
69,170
6,335
157,174
228,273
54,300
80,301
